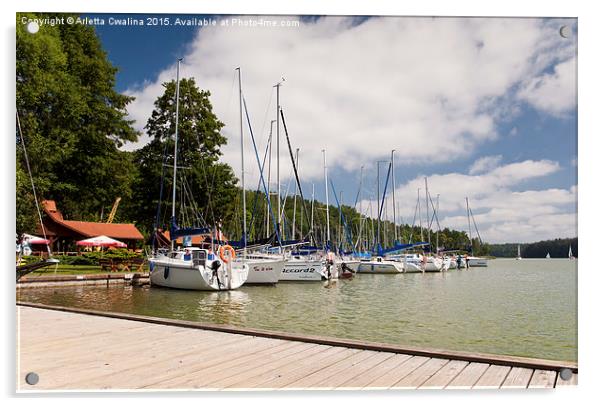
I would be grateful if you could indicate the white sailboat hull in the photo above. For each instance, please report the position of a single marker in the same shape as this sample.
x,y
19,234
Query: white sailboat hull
x,y
433,265
177,274
302,271
475,262
384,267
264,271
411,267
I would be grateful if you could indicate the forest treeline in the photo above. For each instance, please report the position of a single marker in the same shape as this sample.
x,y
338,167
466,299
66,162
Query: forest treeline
x,y
558,248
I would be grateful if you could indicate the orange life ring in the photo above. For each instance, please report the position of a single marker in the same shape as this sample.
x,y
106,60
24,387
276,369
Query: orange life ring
x,y
222,251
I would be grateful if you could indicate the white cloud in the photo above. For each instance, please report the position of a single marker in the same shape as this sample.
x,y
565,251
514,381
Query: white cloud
x,y
502,213
429,88
484,164
554,93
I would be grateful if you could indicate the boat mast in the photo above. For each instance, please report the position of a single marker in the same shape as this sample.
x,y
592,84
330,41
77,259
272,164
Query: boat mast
x,y
340,218
295,197
361,197
378,204
469,227
393,180
428,220
420,217
311,230
175,153
437,218
242,171
267,209
326,189
33,187
278,150
398,228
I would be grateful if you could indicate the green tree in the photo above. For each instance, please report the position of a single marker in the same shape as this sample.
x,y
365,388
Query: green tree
x,y
73,120
26,215
210,185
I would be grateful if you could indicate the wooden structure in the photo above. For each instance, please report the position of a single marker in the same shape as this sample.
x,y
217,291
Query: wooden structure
x,y
64,233
139,352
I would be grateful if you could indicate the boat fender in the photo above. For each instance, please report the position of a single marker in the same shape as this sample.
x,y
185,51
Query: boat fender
x,y
222,253
166,272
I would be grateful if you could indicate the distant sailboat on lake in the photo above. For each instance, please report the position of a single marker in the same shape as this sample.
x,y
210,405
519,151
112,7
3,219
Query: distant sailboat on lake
x,y
518,253
548,256
571,253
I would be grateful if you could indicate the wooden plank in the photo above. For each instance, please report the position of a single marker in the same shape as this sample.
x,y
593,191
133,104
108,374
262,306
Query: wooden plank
x,y
319,377
108,366
354,371
243,379
122,342
293,372
134,375
85,351
364,379
232,375
493,377
469,376
397,374
543,379
571,382
518,378
420,374
194,379
85,338
444,376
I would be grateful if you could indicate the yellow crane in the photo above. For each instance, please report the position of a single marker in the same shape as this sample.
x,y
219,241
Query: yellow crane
x,y
113,210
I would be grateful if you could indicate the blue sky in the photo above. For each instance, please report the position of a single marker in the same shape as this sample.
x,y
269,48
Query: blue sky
x,y
486,108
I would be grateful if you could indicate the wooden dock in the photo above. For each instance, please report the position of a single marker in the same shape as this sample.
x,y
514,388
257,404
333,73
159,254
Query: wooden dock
x,y
50,280
75,349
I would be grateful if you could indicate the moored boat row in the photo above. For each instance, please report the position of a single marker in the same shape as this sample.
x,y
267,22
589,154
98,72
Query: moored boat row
x,y
218,268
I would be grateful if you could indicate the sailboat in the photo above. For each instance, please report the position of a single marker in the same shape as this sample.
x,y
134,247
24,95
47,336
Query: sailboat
x,y
193,268
571,253
518,253
378,264
430,263
548,256
472,261
263,269
297,268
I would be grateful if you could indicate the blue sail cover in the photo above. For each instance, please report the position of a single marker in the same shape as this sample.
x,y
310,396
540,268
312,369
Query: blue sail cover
x,y
177,232
305,250
400,247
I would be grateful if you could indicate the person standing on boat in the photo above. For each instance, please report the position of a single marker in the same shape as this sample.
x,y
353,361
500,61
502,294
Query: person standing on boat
x,y
466,259
459,261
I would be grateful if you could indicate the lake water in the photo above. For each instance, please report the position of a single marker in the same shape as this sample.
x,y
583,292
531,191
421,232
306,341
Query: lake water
x,y
524,308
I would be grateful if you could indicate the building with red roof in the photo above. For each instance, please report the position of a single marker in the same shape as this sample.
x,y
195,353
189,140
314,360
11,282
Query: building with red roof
x,y
64,233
